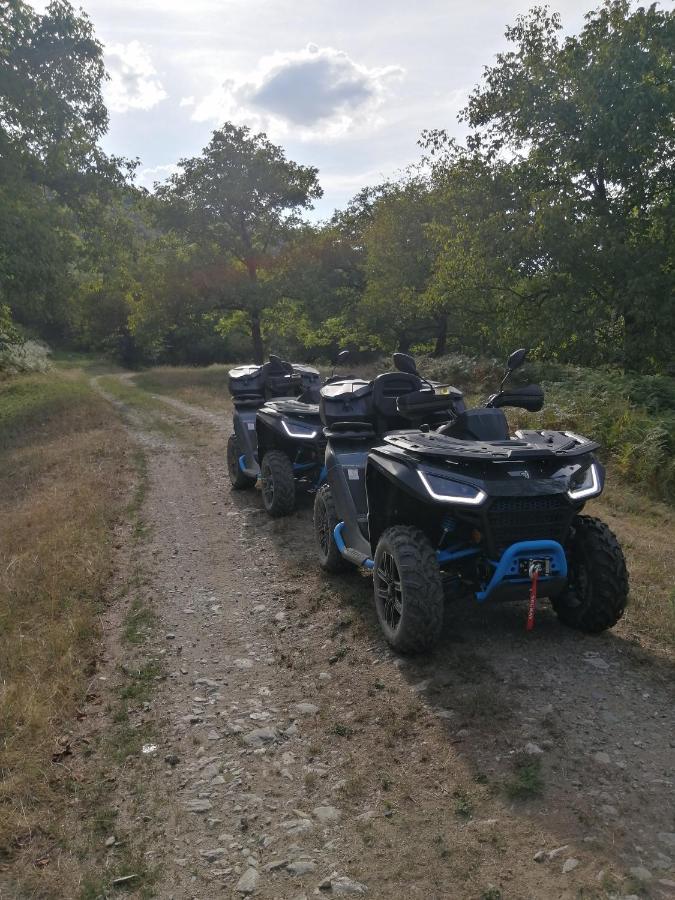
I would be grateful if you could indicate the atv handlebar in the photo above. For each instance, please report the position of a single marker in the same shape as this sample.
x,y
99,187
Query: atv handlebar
x,y
423,401
530,397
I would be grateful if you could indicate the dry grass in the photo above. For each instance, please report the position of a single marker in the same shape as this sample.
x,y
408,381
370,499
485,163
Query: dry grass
x,y
201,387
64,474
646,531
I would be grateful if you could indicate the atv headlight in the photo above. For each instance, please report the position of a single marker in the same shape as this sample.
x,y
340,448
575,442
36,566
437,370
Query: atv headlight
x,y
587,485
299,431
449,491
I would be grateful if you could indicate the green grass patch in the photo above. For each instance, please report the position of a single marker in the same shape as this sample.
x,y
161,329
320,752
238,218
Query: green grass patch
x,y
526,783
33,407
154,411
138,622
205,387
170,380
463,804
141,681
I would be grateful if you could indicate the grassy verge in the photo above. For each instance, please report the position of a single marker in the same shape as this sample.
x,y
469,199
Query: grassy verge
x,y
65,470
646,531
203,387
154,412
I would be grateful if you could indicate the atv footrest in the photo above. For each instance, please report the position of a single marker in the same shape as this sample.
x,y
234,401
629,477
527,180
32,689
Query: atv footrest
x,y
359,559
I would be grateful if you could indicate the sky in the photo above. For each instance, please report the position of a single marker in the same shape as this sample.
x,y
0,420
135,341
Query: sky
x,y
343,85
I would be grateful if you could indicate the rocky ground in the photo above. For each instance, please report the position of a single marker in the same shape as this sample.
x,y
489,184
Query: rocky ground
x,y
294,755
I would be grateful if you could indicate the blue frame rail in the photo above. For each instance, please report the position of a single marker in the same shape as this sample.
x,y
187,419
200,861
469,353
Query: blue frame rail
x,y
342,547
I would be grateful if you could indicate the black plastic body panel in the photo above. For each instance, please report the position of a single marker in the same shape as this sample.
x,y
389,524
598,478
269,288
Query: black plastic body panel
x,y
479,425
525,500
306,453
346,463
247,438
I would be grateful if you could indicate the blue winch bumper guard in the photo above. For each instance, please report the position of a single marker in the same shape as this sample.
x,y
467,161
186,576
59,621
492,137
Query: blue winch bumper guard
x,y
508,567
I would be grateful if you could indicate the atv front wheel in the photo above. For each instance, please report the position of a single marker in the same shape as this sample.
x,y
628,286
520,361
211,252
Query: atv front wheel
x,y
408,590
325,520
278,484
597,590
240,481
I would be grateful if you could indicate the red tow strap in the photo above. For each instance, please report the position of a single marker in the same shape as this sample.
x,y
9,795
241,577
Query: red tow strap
x,y
534,576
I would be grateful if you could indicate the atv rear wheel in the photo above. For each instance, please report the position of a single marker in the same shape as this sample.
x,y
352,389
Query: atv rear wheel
x,y
240,481
325,520
408,590
278,484
598,579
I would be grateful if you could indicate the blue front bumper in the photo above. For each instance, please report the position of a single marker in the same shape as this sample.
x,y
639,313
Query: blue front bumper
x,y
508,568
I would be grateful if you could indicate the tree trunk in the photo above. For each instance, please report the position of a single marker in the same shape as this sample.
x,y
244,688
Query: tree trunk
x,y
404,343
256,334
256,338
442,336
634,344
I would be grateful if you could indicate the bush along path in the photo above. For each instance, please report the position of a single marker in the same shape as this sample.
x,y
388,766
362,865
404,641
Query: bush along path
x,y
290,754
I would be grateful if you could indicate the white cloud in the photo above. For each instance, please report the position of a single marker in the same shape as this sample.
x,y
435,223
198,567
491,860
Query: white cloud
x,y
187,101
317,92
147,177
134,83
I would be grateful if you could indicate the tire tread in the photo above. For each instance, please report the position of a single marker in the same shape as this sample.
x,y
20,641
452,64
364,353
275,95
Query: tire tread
x,y
422,620
334,561
283,501
609,595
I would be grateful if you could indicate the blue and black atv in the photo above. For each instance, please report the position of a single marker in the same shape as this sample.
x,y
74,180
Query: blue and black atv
x,y
251,386
461,507
278,435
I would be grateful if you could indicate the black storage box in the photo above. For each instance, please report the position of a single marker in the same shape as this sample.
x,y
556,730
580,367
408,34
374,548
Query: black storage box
x,y
246,381
346,401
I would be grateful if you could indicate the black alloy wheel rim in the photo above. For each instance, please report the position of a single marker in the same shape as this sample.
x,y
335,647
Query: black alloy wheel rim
x,y
323,527
389,592
267,486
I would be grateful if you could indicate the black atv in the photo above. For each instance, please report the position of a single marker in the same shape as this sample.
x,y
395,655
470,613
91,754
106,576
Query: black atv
x,y
291,446
461,507
252,386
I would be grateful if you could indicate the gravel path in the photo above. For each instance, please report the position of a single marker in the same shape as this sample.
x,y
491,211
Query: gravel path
x,y
298,757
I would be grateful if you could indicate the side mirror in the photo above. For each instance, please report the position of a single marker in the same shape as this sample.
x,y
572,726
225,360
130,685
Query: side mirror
x,y
516,359
274,359
405,363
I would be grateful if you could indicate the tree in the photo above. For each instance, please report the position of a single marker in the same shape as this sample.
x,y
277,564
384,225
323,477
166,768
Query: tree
x,y
52,113
52,168
238,202
398,264
590,120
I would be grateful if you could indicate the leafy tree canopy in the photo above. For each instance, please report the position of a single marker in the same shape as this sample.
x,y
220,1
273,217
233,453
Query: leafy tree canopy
x,y
239,200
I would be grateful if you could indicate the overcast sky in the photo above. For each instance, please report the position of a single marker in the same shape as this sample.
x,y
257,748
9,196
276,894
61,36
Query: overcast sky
x,y
345,85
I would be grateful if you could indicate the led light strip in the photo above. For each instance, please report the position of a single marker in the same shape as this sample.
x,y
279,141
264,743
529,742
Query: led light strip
x,y
594,488
451,498
298,434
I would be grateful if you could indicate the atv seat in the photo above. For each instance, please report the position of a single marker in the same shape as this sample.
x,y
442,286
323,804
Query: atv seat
x,y
279,379
386,392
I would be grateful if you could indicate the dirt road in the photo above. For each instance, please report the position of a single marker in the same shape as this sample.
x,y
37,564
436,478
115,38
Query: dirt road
x,y
296,756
